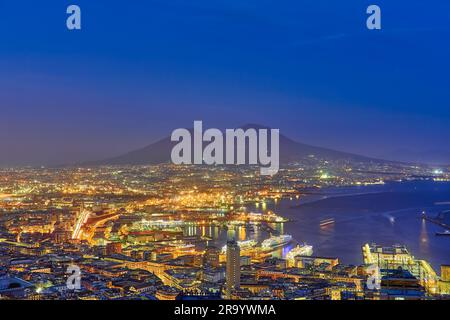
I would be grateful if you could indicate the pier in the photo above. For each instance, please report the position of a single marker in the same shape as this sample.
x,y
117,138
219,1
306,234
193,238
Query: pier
x,y
438,220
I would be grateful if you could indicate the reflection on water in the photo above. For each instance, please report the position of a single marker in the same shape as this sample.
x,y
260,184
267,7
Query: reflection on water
x,y
278,227
242,233
384,217
219,235
424,241
231,234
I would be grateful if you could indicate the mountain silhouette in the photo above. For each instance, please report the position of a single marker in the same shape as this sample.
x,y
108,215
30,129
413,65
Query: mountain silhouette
x,y
290,151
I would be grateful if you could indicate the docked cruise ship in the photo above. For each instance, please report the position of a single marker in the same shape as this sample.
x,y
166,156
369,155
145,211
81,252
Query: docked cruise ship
x,y
300,250
180,245
244,245
275,242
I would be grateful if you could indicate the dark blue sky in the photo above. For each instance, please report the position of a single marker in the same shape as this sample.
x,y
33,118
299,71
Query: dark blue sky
x,y
139,69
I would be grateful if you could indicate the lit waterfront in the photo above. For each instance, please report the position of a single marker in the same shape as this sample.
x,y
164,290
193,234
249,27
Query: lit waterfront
x,y
171,239
388,220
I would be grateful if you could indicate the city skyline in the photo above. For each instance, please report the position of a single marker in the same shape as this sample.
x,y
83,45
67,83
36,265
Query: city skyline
x,y
320,229
259,151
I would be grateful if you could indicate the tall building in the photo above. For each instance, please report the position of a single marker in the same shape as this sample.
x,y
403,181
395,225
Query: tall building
x,y
233,274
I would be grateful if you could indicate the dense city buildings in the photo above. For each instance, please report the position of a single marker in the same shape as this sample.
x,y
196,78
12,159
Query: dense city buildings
x,y
192,232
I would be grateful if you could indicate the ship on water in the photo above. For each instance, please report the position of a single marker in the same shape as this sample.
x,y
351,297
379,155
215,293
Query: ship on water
x,y
180,245
276,241
300,250
326,222
244,245
445,233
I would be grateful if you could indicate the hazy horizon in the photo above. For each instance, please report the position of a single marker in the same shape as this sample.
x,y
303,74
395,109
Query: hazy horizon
x,y
400,155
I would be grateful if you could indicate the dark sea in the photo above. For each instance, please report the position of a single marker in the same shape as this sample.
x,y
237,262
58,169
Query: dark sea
x,y
383,214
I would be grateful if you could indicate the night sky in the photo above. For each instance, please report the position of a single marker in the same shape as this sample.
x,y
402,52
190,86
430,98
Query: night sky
x,y
139,69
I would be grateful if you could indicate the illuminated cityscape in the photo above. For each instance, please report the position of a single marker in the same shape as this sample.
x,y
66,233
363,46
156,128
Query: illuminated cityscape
x,y
192,232
236,154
